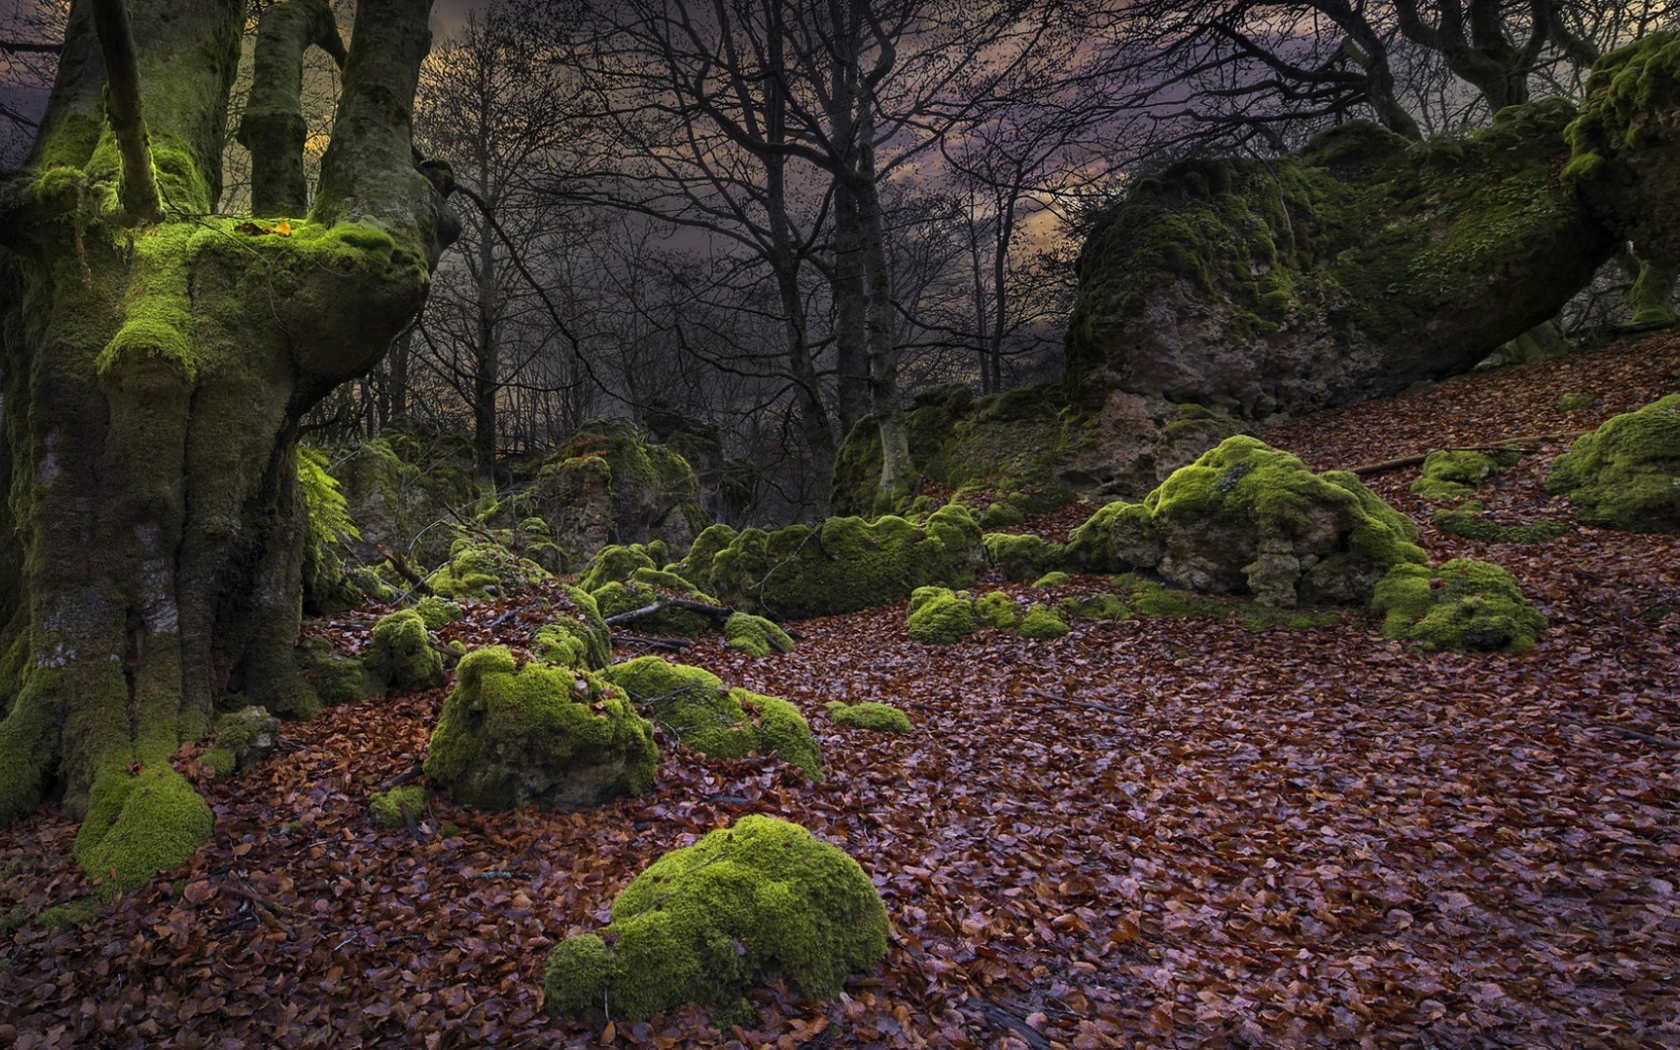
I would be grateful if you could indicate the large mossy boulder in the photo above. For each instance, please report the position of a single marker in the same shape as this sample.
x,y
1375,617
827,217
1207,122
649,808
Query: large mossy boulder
x,y
1246,518
611,484
402,490
691,705
513,735
480,567
1626,474
1343,273
761,900
841,566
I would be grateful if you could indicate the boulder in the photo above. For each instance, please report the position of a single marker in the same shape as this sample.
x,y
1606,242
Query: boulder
x,y
513,735
757,901
1458,605
1626,474
401,656
244,738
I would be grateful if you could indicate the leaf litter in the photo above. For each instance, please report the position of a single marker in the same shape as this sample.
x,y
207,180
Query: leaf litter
x,y
1147,833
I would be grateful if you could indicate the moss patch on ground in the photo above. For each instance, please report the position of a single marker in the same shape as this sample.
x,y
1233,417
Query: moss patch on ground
x,y
704,923
870,714
140,824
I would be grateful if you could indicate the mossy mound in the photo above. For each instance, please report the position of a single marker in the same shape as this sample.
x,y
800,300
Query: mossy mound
x,y
997,609
1470,521
336,677
624,578
755,635
939,616
437,613
580,638
401,656
1454,474
479,567
844,565
1041,622
512,735
244,738
877,717
611,484
1461,604
692,706
1289,284
1022,557
387,806
702,924
1249,519
1626,474
140,824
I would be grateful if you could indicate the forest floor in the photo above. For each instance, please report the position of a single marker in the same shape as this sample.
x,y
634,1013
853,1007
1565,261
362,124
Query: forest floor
x,y
1165,833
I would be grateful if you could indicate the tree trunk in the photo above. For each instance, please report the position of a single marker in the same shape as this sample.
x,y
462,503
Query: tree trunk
x,y
897,473
487,363
154,377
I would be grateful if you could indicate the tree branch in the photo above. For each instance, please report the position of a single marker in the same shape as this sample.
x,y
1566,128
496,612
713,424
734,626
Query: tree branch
x,y
139,196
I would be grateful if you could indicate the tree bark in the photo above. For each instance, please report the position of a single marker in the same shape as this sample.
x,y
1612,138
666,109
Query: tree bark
x,y
273,127
154,378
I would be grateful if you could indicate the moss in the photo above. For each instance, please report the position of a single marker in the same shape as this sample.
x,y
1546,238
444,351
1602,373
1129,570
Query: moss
x,y
335,677
1041,623
614,563
437,613
1096,607
479,568
1574,403
512,735
1023,557
755,635
878,717
580,638
243,738
1469,520
998,610
937,616
692,706
1626,474
845,565
138,825
1001,514
1459,605
387,806
1454,474
401,655
703,923
64,916
1053,579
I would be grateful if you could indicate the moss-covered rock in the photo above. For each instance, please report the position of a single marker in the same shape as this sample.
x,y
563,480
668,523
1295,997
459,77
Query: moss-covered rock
x,y
691,705
755,635
244,738
336,677
1054,578
579,638
1041,622
514,735
1022,557
479,567
437,613
939,616
1458,605
387,806
139,824
1626,474
844,565
1469,519
878,717
402,489
1454,474
702,924
997,609
1249,519
400,655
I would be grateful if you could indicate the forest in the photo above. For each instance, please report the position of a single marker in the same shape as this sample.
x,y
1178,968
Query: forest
x,y
847,523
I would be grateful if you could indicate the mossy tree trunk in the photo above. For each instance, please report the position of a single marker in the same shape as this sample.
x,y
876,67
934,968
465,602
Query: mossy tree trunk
x,y
156,364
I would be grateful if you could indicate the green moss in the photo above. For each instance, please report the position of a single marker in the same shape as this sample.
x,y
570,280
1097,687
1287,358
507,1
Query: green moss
x,y
437,613
1053,579
1097,607
1022,557
1041,623
692,706
1469,520
387,806
997,609
335,677
242,738
138,825
1459,605
579,639
877,717
512,735
1454,474
704,923
847,564
1574,402
755,635
1626,474
937,616
614,563
479,568
401,655
1001,514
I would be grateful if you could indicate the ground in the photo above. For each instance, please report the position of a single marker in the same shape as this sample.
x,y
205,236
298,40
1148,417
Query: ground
x,y
1149,833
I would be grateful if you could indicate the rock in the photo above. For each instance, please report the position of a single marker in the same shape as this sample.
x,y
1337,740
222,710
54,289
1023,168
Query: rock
x,y
762,899
514,735
1458,605
244,739
401,655
401,489
755,635
939,616
335,677
1626,474
877,717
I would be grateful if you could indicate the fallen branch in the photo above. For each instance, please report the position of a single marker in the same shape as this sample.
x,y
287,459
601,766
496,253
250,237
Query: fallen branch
x,y
1093,705
414,773
449,654
1412,461
400,564
673,644
718,613
1001,1018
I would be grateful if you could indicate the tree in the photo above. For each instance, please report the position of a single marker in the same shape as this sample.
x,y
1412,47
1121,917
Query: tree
x,y
157,358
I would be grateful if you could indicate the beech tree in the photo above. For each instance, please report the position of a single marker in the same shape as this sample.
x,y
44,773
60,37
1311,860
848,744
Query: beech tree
x,y
157,357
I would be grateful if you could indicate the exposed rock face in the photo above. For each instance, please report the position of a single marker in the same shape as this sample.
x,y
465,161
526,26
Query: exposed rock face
x,y
512,735
1344,273
400,490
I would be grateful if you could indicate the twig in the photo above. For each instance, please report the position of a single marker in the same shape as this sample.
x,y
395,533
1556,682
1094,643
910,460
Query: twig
x,y
402,778
400,564
439,647
673,644
1093,705
998,1016
718,613
1632,734
408,818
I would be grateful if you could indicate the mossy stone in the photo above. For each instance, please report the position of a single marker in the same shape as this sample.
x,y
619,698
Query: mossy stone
x,y
939,616
1454,474
336,677
244,738
401,655
1041,623
871,715
1626,474
387,806
1461,604
756,635
140,824
704,923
